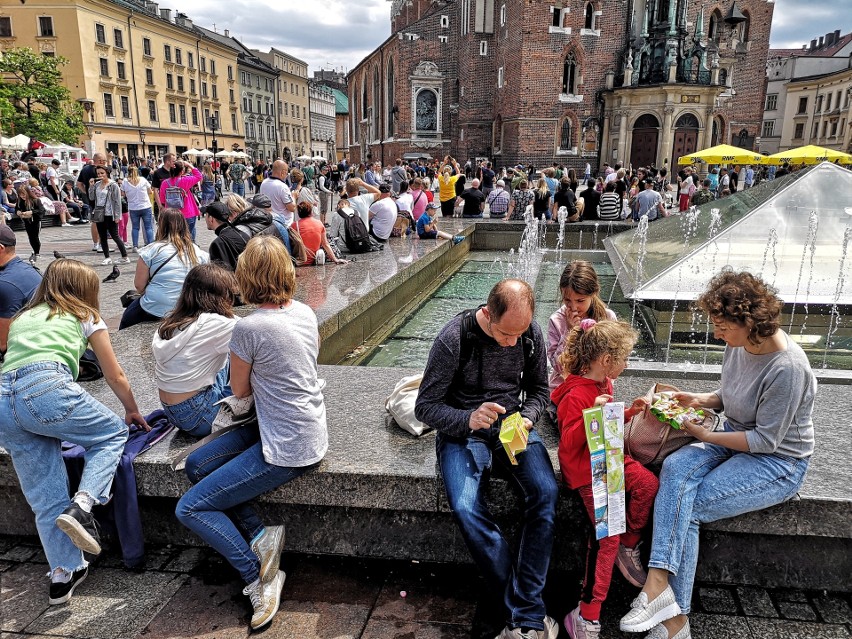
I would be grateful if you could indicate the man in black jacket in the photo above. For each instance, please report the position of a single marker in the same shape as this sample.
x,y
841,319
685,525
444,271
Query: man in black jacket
x,y
229,242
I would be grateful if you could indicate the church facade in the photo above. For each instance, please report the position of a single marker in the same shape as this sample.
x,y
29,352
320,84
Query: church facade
x,y
571,81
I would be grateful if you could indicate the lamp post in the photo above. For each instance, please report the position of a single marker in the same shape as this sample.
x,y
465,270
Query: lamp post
x,y
214,125
142,140
89,122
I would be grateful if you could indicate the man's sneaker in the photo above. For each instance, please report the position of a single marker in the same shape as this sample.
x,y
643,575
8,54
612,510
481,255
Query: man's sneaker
x,y
645,614
60,593
106,261
659,632
551,631
123,260
268,549
81,527
630,565
265,598
579,628
73,219
134,249
457,239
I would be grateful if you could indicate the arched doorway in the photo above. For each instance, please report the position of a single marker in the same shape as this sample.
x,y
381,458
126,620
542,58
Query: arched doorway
x,y
685,136
643,148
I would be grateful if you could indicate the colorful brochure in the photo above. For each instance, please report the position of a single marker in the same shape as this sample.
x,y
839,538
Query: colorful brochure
x,y
605,437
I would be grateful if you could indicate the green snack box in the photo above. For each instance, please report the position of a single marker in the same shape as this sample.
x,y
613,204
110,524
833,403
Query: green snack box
x,y
513,436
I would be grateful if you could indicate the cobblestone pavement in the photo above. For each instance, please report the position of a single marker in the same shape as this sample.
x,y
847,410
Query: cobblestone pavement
x,y
191,592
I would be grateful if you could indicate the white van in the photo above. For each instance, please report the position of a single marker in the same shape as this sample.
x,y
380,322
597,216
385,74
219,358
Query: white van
x,y
71,158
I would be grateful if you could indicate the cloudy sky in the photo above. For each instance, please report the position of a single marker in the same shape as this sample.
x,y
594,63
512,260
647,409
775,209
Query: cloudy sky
x,y
338,34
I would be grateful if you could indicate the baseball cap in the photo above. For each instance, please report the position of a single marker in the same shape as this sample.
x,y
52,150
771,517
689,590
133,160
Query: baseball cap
x,y
647,181
217,210
433,205
261,201
7,236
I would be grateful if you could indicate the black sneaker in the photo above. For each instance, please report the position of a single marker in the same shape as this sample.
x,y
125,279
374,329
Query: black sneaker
x,y
81,527
60,593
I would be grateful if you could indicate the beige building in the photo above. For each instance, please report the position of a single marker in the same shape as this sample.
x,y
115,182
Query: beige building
x,y
293,102
818,110
149,80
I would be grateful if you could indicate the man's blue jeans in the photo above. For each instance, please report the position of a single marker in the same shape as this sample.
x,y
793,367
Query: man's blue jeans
x,y
465,465
227,474
41,406
142,218
703,482
195,415
238,187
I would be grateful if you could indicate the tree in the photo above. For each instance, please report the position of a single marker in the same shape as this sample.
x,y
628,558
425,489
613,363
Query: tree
x,y
42,105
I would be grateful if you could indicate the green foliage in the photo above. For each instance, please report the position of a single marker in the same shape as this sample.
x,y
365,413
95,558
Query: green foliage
x,y
35,100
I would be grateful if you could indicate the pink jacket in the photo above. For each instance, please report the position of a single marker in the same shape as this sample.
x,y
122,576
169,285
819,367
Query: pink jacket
x,y
557,332
190,208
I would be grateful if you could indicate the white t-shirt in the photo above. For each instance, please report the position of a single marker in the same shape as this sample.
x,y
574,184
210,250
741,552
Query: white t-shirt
x,y
405,201
361,204
686,185
384,217
52,177
279,194
137,196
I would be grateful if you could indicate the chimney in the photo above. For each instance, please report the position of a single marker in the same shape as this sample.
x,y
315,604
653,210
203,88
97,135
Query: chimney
x,y
227,33
836,35
829,39
821,42
813,44
153,8
166,14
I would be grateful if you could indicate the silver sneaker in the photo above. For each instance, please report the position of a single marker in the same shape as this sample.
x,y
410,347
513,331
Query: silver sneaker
x,y
579,628
645,614
268,549
551,631
630,565
265,599
659,632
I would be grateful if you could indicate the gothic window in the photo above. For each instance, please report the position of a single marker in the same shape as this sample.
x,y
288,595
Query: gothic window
x,y
715,30
354,114
662,11
566,136
589,16
744,27
426,107
569,75
377,102
723,77
389,95
364,100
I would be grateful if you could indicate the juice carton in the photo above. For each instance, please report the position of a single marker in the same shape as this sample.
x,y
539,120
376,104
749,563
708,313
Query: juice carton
x,y
513,435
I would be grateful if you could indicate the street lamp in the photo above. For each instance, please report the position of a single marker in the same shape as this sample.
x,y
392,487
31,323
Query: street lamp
x,y
213,121
142,140
89,122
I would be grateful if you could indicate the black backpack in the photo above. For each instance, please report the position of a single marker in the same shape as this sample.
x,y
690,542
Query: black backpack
x,y
468,342
357,237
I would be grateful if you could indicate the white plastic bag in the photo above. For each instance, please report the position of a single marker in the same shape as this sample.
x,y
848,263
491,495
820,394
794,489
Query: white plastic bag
x,y
401,402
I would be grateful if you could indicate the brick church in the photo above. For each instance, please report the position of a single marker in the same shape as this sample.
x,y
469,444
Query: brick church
x,y
570,81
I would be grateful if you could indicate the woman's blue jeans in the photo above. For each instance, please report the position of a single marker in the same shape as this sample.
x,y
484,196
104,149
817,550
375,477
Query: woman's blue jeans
x,y
703,482
145,219
465,467
195,415
190,222
227,474
41,406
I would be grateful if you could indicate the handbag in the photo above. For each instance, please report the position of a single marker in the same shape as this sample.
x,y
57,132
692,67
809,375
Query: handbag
x,y
649,441
132,295
400,405
234,412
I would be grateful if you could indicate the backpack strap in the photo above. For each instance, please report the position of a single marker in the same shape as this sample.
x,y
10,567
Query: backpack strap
x,y
468,339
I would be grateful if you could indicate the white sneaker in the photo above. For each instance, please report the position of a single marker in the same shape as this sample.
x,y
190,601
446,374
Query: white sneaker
x,y
265,599
645,614
106,260
123,260
66,224
96,248
73,219
134,249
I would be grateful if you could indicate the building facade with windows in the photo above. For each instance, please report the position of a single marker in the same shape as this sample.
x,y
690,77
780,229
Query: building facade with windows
x,y
802,106
150,81
322,115
566,81
293,102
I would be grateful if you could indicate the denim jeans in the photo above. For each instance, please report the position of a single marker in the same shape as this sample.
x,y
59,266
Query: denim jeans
x,y
40,406
190,222
238,187
195,415
703,482
135,314
142,218
227,474
465,467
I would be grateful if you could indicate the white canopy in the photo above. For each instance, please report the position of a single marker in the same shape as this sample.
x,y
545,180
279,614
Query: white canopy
x,y
192,152
204,153
17,143
225,154
304,157
239,154
318,158
52,148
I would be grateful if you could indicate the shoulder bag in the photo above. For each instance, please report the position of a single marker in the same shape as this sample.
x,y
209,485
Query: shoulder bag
x,y
400,405
132,295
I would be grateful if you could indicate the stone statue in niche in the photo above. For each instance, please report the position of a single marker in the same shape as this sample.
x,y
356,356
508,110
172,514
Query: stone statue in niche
x,y
426,111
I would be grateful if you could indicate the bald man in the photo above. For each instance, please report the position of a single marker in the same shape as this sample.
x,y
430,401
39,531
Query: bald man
x,y
87,174
486,364
275,187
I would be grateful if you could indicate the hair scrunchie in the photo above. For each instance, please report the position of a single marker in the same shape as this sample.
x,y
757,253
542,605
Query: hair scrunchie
x,y
586,324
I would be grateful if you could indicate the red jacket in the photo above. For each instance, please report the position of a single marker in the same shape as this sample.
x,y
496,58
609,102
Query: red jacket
x,y
571,397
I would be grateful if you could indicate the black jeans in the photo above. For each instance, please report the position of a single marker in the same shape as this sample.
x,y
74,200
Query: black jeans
x,y
33,228
109,228
135,314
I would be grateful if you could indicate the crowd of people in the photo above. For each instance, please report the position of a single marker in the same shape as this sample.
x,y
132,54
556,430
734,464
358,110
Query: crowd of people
x,y
486,364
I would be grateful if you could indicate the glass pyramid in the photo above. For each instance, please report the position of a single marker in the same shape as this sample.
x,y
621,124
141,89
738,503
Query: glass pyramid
x,y
793,231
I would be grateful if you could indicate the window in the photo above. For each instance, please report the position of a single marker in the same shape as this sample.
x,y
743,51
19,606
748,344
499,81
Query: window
x,y
180,83
257,82
500,78
589,16
483,47
828,102
215,93
565,137
803,106
118,38
149,77
203,63
818,106
152,110
234,121
172,113
768,128
771,102
167,52
146,46
192,86
194,113
502,15
259,109
287,109
285,87
557,16
45,26
800,131
125,107
178,56
230,72
443,38
834,129
5,27
569,75
824,129
231,95
815,131
170,81
108,110
203,89
445,22
182,111
120,70
100,34
213,67
190,60
714,32
104,64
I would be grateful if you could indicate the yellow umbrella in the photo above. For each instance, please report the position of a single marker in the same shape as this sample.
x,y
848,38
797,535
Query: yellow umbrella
x,y
722,154
809,154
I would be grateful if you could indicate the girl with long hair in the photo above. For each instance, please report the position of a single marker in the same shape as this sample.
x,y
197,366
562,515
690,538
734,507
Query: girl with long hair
x,y
30,209
541,200
175,192
106,196
208,185
138,191
41,406
162,269
191,349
